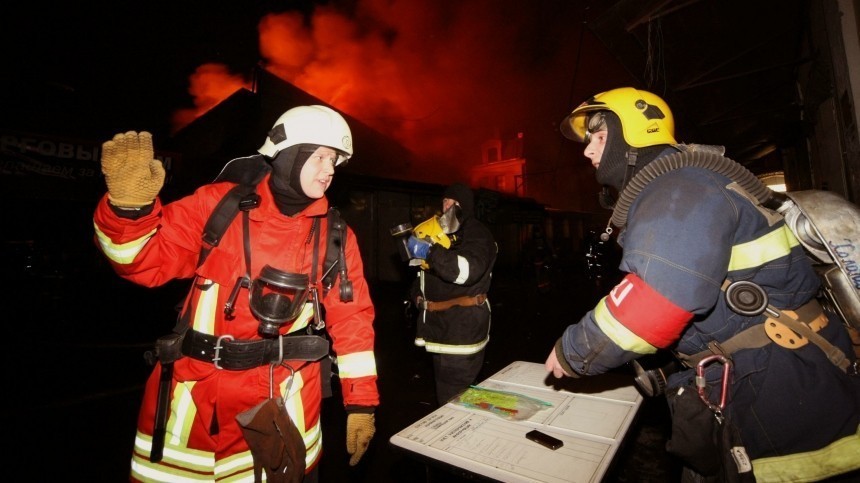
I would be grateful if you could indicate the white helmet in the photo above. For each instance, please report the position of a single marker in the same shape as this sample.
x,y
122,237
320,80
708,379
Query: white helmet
x,y
318,125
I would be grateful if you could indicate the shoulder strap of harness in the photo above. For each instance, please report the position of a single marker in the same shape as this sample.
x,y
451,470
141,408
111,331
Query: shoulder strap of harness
x,y
335,258
248,173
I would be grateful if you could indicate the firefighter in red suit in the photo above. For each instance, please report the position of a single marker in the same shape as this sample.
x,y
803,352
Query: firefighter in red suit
x,y
151,243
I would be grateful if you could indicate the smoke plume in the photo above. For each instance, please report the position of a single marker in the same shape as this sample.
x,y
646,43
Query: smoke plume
x,y
439,76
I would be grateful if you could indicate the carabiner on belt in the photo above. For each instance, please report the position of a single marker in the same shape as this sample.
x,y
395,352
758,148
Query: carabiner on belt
x,y
289,379
701,384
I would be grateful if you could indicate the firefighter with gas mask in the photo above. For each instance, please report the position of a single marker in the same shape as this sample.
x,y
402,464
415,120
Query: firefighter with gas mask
x,y
244,338
714,279
450,291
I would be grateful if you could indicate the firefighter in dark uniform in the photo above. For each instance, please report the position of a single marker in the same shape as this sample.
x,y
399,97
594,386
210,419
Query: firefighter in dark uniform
x,y
451,294
691,234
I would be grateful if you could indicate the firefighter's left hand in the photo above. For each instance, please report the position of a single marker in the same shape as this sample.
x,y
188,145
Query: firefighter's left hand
x,y
360,428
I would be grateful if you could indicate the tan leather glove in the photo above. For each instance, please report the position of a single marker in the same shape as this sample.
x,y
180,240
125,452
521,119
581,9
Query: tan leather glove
x,y
360,428
133,175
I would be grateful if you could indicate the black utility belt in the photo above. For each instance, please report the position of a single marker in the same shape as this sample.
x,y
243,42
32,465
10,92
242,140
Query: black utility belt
x,y
236,355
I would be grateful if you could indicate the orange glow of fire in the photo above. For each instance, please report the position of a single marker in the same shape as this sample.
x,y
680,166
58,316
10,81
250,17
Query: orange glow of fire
x,y
209,85
436,76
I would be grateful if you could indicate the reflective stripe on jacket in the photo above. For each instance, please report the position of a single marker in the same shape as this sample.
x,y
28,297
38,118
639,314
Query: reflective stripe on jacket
x,y
688,231
465,269
165,245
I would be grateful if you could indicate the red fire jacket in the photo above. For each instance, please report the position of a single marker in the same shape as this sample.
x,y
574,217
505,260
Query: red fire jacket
x,y
202,435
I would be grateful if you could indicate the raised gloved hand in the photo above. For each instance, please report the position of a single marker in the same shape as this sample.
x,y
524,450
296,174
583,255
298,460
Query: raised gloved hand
x,y
360,428
417,247
133,175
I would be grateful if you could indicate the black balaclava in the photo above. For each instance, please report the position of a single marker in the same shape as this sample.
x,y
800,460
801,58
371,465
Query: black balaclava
x,y
464,196
613,164
285,183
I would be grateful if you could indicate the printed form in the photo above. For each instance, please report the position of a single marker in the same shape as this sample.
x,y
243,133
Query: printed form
x,y
590,416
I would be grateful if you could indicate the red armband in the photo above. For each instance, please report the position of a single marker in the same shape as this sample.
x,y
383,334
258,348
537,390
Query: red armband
x,y
646,312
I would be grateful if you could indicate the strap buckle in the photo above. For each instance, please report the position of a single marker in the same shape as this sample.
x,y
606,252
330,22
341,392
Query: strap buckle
x,y
217,357
421,302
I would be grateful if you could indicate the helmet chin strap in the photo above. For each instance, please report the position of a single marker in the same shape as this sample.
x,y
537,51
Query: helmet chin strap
x,y
606,198
632,155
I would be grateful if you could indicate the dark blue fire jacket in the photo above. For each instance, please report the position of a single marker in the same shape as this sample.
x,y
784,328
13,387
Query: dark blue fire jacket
x,y
688,231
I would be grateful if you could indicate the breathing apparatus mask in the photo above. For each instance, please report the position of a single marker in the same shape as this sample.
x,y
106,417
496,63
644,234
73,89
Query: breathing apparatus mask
x,y
449,222
276,298
437,229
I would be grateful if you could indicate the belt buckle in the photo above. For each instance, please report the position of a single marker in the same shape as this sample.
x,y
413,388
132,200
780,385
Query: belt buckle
x,y
422,303
218,347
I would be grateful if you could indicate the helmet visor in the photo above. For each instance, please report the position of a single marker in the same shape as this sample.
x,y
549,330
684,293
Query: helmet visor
x,y
575,125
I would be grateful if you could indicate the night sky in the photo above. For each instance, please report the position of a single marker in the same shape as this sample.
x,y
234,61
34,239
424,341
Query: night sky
x,y
439,76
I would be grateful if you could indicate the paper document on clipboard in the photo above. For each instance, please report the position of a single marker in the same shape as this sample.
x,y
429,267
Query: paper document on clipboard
x,y
455,436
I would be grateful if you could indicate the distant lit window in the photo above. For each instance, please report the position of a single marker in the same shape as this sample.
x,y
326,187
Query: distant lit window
x,y
774,181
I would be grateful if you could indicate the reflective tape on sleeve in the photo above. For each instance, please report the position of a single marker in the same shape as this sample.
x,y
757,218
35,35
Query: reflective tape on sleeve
x,y
463,267
122,253
767,248
357,364
638,318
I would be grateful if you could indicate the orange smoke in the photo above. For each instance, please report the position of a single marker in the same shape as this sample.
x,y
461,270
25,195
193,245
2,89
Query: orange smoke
x,y
209,85
438,76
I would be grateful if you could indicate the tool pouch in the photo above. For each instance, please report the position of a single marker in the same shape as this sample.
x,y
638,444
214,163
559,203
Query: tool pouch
x,y
168,349
274,441
709,446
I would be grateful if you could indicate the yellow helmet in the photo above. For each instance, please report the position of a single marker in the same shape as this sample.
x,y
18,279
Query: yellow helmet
x,y
646,119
